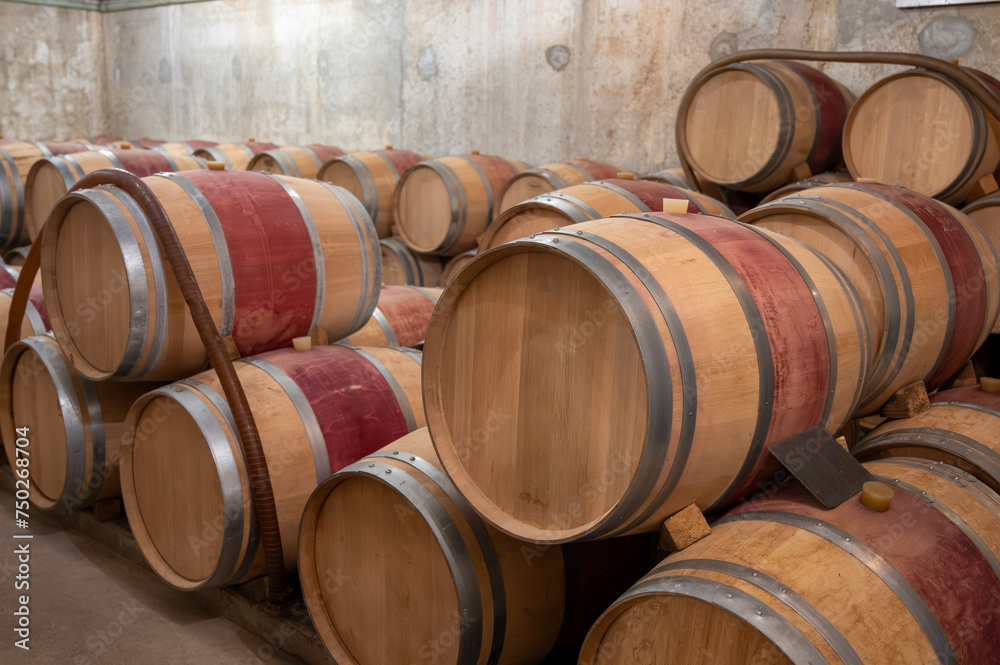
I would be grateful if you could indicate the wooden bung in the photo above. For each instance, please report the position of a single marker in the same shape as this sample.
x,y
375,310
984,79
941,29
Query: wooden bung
x,y
923,272
184,481
593,200
120,313
536,397
782,580
372,177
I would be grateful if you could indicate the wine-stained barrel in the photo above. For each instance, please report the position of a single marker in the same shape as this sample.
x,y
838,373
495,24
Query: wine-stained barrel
x,y
275,257
372,177
184,479
818,180
36,316
301,161
234,155
50,178
400,319
589,201
402,265
75,425
985,212
464,592
924,131
926,273
959,429
442,205
751,124
578,385
783,580
16,160
548,178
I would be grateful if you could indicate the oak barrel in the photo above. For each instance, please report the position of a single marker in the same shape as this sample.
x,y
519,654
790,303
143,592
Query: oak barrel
x,y
442,205
548,178
751,124
275,257
926,273
50,178
985,212
961,429
578,385
451,589
674,176
75,425
400,319
184,481
818,180
455,264
16,159
234,155
923,131
589,201
100,141
372,177
182,148
36,316
784,580
402,265
301,161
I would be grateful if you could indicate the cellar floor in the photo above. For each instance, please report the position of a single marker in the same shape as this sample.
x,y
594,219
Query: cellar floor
x,y
90,606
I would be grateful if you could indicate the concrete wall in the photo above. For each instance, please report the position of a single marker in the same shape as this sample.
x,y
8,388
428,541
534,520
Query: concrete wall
x,y
51,72
531,80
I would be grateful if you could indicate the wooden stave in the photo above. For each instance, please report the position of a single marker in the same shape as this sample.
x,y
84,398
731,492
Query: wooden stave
x,y
983,212
455,264
983,130
555,176
614,522
378,173
300,161
813,606
418,269
13,230
149,341
472,210
240,558
837,205
818,180
91,414
594,200
400,319
73,167
817,143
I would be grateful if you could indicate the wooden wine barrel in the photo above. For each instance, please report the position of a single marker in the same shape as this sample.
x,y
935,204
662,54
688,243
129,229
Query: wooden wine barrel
x,y
751,124
182,148
16,159
146,143
100,141
234,155
372,177
674,177
317,411
8,275
811,182
442,205
589,201
455,264
301,161
275,257
464,592
578,386
959,429
783,580
925,272
923,131
75,425
401,265
50,178
36,316
400,319
985,212
549,178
